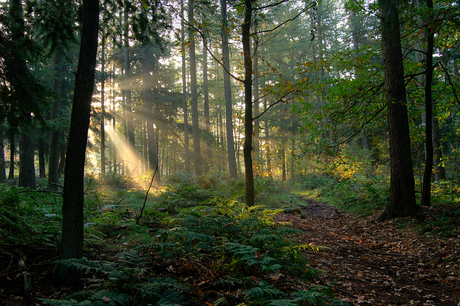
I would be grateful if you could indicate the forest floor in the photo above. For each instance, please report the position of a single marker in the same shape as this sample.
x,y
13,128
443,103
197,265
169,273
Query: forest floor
x,y
364,261
379,263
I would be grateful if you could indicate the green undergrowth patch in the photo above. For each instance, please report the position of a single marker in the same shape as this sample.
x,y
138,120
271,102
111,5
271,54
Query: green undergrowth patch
x,y
359,195
443,220
196,243
29,216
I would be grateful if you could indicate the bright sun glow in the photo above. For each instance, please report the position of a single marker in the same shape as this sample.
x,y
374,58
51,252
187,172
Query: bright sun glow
x,y
127,154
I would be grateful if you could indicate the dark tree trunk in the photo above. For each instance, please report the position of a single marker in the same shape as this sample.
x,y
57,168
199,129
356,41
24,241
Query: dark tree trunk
x,y
26,161
62,148
12,152
41,156
247,148
194,93
127,84
206,106
103,160
53,158
228,94
72,209
426,189
439,170
151,142
402,193
2,155
184,93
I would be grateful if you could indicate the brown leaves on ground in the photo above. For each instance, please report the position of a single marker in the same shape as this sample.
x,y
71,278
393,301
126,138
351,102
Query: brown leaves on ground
x,y
379,263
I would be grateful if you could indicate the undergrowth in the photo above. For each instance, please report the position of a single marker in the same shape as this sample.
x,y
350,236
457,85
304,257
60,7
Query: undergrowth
x,y
196,244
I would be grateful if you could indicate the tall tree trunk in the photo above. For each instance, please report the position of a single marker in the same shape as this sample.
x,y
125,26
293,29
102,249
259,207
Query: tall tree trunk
x,y
256,94
26,160
151,141
127,84
228,94
426,189
206,106
402,193
12,136
439,170
54,146
194,92
103,159
184,92
72,209
2,155
41,156
247,148
267,143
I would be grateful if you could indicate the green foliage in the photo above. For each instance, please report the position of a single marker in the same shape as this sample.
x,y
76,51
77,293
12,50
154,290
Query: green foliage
x,y
123,282
359,195
28,216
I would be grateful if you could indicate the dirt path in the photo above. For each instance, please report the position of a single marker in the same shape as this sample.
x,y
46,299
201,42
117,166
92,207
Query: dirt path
x,y
374,263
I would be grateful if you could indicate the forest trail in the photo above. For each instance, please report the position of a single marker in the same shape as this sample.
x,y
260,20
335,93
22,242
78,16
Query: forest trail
x,y
376,263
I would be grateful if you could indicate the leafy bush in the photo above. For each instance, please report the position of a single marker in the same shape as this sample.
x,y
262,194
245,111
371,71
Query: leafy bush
x,y
359,195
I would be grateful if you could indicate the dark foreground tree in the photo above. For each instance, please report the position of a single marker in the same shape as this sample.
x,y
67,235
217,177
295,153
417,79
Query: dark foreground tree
x,y
247,149
72,210
402,192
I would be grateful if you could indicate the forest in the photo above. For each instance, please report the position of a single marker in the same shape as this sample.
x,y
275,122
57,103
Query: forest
x,y
232,152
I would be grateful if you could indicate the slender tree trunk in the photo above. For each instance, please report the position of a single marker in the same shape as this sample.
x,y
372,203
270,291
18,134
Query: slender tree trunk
x,y
12,152
267,143
26,161
62,149
53,158
41,156
256,95
72,210
2,155
402,193
127,85
228,94
103,158
194,93
247,148
184,92
439,170
206,106
426,190
151,141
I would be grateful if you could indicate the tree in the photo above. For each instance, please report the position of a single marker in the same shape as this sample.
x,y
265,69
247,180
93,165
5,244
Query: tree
x,y
247,149
184,90
194,92
228,92
426,190
402,193
72,209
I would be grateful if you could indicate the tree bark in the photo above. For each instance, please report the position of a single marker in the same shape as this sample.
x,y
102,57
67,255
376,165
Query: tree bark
x,y
402,193
2,155
228,94
426,189
12,137
103,159
206,106
26,160
53,158
151,141
247,148
127,84
194,93
184,92
72,209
